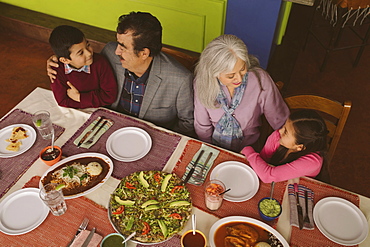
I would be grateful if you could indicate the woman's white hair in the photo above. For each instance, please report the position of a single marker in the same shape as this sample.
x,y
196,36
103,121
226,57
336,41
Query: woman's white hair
x,y
220,56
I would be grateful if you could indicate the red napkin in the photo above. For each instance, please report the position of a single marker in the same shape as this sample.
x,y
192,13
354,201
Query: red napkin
x,y
81,237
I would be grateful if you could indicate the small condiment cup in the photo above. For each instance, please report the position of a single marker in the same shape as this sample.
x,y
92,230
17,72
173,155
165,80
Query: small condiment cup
x,y
266,217
113,240
53,161
188,239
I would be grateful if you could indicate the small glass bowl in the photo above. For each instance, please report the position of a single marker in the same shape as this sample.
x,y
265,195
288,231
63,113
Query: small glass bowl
x,y
265,217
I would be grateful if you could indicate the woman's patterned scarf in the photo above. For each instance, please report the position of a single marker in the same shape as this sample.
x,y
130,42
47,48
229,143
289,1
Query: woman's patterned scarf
x,y
228,133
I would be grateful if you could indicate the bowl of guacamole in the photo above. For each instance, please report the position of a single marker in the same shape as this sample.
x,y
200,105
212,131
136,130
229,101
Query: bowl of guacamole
x,y
269,208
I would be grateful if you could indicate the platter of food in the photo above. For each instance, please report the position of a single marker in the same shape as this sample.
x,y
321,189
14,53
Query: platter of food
x,y
239,177
154,204
22,211
79,174
129,144
244,231
16,139
340,221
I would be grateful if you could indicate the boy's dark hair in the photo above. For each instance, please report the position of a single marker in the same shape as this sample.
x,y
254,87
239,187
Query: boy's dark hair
x,y
147,31
62,38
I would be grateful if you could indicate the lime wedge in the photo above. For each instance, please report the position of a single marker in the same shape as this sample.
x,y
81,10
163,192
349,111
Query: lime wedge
x,y
60,186
38,122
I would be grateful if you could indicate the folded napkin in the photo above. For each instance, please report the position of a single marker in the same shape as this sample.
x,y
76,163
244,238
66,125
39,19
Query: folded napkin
x,y
293,206
201,171
107,123
82,236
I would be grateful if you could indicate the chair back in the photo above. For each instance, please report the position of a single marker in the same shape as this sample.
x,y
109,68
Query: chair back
x,y
185,59
334,113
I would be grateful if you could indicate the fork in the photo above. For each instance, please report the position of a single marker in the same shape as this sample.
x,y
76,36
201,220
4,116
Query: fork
x,y
306,219
82,227
88,142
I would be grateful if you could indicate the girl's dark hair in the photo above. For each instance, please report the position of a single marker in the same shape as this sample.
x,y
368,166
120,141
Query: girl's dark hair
x,y
310,130
62,38
147,31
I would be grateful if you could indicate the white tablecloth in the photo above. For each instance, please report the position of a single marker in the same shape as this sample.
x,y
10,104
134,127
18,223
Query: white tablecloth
x,y
72,119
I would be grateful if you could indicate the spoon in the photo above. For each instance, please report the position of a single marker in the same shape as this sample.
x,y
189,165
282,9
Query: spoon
x,y
193,223
272,189
52,142
129,237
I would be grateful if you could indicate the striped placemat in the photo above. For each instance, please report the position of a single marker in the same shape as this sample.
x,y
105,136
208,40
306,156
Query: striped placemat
x,y
315,237
247,208
163,144
11,169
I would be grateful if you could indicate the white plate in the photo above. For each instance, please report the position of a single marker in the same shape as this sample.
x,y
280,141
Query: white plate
x,y
239,177
22,211
26,143
129,144
229,219
78,156
340,221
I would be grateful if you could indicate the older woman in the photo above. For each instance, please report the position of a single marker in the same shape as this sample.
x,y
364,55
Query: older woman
x,y
232,91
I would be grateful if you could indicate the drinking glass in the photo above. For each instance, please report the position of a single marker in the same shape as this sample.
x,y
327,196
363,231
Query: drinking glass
x,y
53,198
214,194
41,119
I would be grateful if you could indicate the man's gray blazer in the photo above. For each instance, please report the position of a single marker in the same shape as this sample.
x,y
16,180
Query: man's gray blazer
x,y
168,98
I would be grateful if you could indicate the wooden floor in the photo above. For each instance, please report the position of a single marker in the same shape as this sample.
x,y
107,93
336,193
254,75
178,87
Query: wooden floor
x,y
23,62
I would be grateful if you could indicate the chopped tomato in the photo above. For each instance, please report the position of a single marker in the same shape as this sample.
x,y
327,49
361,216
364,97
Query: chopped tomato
x,y
146,228
176,216
119,210
130,186
178,187
157,177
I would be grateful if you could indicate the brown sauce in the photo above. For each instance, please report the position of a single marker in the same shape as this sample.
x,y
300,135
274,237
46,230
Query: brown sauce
x,y
50,155
196,240
220,233
94,180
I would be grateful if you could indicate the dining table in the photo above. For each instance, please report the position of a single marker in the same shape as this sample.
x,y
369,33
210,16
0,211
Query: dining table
x,y
170,152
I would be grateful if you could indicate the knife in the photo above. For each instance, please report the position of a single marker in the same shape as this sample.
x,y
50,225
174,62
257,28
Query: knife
x,y
299,207
89,237
193,168
90,131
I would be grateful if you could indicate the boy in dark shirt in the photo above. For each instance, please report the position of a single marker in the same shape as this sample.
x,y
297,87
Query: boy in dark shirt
x,y
85,79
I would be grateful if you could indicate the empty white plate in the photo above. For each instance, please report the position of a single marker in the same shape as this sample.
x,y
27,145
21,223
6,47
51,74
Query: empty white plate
x,y
129,144
22,211
239,177
340,221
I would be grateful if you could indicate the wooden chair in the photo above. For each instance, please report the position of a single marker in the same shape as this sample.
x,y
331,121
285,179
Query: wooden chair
x,y
187,60
335,115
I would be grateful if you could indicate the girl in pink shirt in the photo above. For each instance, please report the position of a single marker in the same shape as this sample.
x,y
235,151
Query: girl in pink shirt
x,y
293,151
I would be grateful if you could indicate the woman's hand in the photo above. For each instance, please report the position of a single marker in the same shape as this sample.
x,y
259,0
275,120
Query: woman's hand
x,y
52,62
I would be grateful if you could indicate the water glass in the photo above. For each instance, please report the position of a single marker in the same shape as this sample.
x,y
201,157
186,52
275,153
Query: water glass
x,y
53,198
41,119
214,194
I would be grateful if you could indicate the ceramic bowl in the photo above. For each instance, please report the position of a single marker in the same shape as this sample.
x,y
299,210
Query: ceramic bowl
x,y
52,161
111,240
269,217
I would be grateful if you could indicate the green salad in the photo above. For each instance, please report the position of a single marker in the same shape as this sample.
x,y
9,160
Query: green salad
x,y
154,204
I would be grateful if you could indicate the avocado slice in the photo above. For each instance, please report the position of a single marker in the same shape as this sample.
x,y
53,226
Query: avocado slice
x,y
142,180
124,202
179,203
165,182
150,202
163,227
151,207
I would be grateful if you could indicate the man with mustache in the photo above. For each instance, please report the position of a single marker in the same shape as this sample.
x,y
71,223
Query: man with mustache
x,y
151,84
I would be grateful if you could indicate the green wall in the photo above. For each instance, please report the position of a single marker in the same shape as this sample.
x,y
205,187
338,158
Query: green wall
x,y
187,24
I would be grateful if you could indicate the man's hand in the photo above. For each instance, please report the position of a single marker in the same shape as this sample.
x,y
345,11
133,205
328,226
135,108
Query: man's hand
x,y
73,93
52,61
